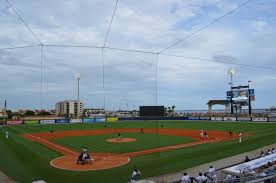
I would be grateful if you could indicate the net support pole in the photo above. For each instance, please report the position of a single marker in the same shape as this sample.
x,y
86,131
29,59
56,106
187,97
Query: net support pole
x,y
156,79
103,77
41,76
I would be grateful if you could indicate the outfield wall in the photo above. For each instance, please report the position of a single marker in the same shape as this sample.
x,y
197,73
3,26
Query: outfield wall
x,y
114,119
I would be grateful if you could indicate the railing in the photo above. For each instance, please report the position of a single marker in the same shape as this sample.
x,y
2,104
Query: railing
x,y
246,179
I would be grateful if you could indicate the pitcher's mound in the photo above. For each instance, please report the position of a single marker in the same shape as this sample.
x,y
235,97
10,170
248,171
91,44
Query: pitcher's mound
x,y
68,162
121,140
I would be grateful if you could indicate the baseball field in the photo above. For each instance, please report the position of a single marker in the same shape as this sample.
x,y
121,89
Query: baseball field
x,y
49,152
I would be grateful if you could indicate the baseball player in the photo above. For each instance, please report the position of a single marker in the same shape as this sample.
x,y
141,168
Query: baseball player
x,y
230,133
240,137
201,134
230,178
201,178
134,175
212,173
7,134
185,178
84,149
205,135
119,136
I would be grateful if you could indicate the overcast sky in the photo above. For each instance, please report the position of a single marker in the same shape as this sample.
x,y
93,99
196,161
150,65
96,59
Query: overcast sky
x,y
247,36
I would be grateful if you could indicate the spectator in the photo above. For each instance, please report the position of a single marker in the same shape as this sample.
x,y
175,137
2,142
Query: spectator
x,y
268,152
262,154
273,151
185,178
201,178
246,159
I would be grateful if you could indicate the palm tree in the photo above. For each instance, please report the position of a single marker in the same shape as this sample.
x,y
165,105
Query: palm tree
x,y
169,110
173,107
165,109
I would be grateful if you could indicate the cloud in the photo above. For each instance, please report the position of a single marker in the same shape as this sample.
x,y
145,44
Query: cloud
x,y
245,37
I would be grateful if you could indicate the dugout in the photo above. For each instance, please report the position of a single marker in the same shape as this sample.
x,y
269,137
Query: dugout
x,y
260,168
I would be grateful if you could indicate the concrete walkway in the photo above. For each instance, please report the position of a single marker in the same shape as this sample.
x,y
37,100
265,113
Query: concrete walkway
x,y
219,164
5,179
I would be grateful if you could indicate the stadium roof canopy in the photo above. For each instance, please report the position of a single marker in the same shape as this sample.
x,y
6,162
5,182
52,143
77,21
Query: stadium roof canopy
x,y
220,102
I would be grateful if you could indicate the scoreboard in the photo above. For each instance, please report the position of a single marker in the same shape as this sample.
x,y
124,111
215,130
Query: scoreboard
x,y
152,111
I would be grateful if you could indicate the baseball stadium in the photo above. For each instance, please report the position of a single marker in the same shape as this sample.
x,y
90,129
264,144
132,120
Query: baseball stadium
x,y
143,91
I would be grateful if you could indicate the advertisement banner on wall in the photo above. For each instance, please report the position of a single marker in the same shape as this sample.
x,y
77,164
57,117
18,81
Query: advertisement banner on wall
x,y
271,119
75,120
260,119
14,122
204,118
111,119
216,118
229,119
31,122
243,119
62,120
99,119
193,118
88,120
47,121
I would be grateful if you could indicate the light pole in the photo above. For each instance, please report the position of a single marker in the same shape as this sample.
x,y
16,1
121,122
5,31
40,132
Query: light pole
x,y
249,99
77,76
5,111
231,72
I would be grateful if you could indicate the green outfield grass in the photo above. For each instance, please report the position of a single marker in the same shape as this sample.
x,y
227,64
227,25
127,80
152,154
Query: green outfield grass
x,y
26,161
97,143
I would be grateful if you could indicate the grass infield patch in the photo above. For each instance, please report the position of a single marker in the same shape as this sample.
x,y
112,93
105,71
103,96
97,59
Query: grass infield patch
x,y
97,143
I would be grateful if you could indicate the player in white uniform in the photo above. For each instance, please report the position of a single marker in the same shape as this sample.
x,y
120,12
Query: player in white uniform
x,y
229,178
84,149
134,175
7,134
212,173
240,137
185,178
201,178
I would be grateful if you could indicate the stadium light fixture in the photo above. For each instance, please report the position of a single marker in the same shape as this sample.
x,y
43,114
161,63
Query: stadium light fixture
x,y
231,72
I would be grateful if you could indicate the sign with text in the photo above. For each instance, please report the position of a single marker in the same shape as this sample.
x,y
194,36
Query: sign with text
x,y
75,120
260,119
31,122
62,121
88,120
47,121
229,119
14,122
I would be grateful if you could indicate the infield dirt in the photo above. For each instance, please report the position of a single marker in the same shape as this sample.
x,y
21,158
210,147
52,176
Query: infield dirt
x,y
107,160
